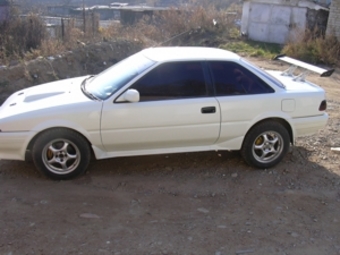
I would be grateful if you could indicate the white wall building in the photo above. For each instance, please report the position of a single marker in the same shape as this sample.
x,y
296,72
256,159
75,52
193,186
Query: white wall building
x,y
276,21
334,20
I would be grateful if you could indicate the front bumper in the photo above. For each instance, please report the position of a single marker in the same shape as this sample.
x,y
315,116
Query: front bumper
x,y
13,145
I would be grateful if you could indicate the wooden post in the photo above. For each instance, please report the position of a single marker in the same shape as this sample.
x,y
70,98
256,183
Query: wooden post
x,y
62,29
93,24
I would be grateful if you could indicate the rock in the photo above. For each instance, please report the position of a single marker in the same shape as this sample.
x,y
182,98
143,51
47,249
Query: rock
x,y
14,62
43,202
244,251
335,149
203,210
89,216
135,202
294,234
234,175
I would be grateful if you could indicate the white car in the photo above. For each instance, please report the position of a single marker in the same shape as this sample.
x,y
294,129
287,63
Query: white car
x,y
163,100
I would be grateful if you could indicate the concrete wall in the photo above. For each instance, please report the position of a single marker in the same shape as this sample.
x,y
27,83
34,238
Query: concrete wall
x,y
333,27
273,23
279,21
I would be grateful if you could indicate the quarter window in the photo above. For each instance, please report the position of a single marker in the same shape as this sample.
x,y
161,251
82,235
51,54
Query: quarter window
x,y
175,80
233,79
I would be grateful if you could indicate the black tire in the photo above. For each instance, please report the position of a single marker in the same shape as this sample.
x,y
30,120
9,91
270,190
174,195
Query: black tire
x,y
265,144
61,154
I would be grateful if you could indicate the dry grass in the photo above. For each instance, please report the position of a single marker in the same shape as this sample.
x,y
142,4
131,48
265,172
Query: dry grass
x,y
169,24
314,49
203,24
28,39
21,35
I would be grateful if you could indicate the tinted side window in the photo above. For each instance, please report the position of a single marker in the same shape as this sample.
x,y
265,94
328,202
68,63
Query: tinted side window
x,y
233,79
174,80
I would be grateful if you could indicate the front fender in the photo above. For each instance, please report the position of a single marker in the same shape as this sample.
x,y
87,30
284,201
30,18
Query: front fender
x,y
92,135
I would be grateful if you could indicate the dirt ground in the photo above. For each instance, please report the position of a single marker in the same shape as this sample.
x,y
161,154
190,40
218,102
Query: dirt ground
x,y
193,203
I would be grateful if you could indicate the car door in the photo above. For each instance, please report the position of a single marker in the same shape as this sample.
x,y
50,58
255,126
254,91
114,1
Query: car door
x,y
175,111
242,97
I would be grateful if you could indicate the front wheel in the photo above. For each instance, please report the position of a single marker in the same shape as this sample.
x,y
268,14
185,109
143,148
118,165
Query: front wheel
x,y
265,144
61,154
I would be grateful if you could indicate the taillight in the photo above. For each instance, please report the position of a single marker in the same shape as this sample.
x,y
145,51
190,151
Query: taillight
x,y
323,106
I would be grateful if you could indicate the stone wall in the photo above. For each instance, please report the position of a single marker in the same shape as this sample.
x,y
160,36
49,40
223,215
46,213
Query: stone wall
x,y
90,59
333,27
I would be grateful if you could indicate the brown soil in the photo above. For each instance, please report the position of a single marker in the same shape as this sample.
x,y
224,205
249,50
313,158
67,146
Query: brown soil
x,y
194,203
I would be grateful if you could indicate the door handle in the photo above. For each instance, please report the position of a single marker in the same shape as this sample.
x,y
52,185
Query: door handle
x,y
210,109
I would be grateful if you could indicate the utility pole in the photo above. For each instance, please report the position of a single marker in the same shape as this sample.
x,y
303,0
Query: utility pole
x,y
84,17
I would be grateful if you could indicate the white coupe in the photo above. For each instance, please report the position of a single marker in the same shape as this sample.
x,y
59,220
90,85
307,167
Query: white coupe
x,y
163,100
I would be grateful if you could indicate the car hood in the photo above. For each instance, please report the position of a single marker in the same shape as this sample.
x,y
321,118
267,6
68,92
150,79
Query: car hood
x,y
49,95
295,86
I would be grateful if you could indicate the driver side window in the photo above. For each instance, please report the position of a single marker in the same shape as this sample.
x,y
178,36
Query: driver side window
x,y
175,80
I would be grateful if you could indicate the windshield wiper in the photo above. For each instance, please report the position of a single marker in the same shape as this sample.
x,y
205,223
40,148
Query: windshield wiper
x,y
86,92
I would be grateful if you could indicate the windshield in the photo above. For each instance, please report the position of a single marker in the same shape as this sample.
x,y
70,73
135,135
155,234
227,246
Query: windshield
x,y
112,79
258,71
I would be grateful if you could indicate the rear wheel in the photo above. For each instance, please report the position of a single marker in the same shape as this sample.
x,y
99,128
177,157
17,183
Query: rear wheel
x,y
61,154
265,144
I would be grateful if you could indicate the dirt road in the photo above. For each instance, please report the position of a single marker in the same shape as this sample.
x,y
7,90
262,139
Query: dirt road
x,y
195,203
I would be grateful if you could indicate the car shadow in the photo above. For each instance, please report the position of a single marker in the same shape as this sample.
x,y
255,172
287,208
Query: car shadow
x,y
226,162
211,195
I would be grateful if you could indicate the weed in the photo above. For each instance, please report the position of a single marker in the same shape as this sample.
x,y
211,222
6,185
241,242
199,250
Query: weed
x,y
253,49
4,83
171,26
314,49
22,34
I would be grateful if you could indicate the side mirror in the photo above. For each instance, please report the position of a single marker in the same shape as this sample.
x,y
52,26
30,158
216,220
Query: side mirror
x,y
131,95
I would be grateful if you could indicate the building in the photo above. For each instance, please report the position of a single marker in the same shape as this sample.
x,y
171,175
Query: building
x,y
277,21
333,27
60,11
131,15
125,13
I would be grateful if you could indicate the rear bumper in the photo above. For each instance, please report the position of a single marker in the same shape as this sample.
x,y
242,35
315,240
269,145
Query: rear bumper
x,y
13,145
310,125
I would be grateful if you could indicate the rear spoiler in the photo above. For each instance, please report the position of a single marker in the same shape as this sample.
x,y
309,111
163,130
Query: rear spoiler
x,y
307,68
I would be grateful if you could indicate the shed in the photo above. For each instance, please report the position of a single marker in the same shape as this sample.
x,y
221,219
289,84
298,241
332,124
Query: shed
x,y
132,14
105,12
276,21
62,11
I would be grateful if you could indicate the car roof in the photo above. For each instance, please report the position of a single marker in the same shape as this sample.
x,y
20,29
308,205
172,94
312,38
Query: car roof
x,y
164,54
